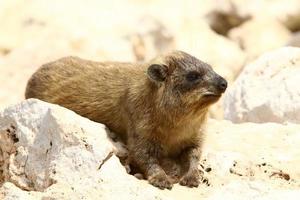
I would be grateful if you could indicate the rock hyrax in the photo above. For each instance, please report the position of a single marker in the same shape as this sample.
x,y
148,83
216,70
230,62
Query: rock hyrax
x,y
157,107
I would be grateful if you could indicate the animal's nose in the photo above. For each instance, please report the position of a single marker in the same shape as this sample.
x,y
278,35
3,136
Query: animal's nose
x,y
222,84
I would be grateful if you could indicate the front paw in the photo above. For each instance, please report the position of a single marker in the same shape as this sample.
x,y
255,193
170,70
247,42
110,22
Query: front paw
x,y
192,179
160,180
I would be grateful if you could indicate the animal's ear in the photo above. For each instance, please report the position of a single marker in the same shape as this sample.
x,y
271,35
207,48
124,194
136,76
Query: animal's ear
x,y
157,72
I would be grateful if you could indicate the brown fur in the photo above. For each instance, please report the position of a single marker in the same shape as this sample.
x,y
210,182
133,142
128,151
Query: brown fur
x,y
153,106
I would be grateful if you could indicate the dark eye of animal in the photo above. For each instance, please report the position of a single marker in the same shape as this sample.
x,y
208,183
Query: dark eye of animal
x,y
193,76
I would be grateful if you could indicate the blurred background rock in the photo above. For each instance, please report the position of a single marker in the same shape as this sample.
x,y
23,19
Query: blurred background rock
x,y
228,34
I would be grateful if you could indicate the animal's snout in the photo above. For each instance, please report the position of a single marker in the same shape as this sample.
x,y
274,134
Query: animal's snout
x,y
222,84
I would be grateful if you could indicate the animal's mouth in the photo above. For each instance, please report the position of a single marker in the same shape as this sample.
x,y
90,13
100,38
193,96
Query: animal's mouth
x,y
212,95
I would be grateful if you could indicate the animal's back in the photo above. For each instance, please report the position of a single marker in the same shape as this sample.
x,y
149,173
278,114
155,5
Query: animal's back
x,y
92,89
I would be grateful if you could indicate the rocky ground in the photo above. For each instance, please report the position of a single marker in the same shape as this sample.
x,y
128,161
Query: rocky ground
x,y
49,152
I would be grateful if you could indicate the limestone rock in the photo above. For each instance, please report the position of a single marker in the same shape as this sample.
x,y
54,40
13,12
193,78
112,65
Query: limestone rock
x,y
267,90
51,152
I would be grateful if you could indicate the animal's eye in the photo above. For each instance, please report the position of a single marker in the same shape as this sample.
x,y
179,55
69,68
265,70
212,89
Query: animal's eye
x,y
193,76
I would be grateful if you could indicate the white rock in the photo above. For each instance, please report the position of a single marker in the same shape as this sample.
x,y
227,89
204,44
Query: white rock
x,y
52,152
244,159
267,90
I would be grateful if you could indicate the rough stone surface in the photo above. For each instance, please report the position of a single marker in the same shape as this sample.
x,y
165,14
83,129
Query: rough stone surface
x,y
49,152
267,90
52,152
256,36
